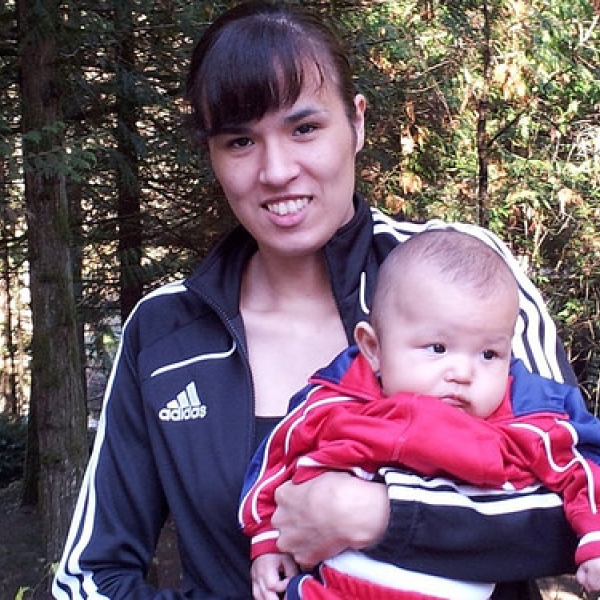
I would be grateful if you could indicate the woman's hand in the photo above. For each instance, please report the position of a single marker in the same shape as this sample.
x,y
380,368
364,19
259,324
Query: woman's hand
x,y
331,513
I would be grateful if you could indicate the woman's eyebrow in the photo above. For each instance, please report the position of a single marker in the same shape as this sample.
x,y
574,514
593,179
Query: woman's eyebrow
x,y
246,129
234,129
303,113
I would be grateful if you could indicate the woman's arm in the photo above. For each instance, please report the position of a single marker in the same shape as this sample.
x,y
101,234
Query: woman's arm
x,y
459,531
328,514
121,508
430,525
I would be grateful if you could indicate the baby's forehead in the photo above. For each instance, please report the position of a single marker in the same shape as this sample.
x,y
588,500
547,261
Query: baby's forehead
x,y
475,267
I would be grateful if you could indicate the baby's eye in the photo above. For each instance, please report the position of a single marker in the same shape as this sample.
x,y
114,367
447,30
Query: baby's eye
x,y
489,354
438,348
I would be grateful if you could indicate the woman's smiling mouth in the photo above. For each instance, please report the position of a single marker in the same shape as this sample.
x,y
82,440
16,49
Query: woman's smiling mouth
x,y
287,207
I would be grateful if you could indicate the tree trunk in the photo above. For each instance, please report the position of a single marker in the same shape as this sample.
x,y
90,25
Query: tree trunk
x,y
8,366
128,184
56,404
482,116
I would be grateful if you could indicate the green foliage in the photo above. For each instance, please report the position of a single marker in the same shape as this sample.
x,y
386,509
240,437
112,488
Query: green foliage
x,y
526,75
39,589
21,593
13,437
476,115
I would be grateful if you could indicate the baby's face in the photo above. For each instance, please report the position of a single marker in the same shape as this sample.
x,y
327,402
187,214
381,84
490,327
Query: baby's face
x,y
443,341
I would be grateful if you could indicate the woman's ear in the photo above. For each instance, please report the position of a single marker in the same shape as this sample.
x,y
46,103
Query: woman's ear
x,y
368,344
360,103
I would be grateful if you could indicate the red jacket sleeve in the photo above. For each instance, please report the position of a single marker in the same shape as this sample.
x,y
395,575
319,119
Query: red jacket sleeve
x,y
414,432
275,464
549,444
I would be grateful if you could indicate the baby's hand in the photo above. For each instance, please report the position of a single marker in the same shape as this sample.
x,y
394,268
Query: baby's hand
x,y
588,575
271,574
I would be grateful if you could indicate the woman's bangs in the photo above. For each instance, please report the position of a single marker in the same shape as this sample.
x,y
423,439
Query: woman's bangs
x,y
254,70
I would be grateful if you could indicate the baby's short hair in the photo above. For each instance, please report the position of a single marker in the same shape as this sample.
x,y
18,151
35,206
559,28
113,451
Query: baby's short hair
x,y
460,258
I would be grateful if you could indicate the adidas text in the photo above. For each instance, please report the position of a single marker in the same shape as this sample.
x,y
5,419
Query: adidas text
x,y
185,407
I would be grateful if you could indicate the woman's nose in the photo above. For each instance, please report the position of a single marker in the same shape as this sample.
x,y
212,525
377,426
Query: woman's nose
x,y
278,165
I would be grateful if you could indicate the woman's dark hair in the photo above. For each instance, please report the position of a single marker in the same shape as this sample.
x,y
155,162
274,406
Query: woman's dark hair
x,y
254,58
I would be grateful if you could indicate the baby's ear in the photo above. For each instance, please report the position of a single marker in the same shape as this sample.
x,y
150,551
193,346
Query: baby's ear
x,y
368,344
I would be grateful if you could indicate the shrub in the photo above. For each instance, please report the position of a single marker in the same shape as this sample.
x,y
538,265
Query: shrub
x,y
13,442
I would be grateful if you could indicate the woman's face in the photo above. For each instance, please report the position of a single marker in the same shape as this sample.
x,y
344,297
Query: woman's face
x,y
289,177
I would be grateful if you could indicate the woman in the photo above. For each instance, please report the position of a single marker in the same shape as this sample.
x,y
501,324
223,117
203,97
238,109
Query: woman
x,y
206,367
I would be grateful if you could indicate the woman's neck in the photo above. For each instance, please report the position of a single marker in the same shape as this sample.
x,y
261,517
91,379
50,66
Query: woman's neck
x,y
292,326
280,281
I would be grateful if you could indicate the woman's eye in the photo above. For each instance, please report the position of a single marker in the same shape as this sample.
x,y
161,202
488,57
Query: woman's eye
x,y
305,128
241,142
488,354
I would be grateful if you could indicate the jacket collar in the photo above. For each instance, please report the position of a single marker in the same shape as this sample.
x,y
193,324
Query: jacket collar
x,y
349,374
217,280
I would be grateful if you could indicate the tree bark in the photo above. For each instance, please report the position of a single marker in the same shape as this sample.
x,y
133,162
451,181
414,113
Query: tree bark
x,y
56,405
128,183
8,371
482,117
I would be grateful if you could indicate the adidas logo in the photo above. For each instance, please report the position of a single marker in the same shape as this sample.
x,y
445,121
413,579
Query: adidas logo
x,y
185,407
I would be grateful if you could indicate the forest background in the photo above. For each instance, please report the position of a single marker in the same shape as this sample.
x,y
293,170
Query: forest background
x,y
485,111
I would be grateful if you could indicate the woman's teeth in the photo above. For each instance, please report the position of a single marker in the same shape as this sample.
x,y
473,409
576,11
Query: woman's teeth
x,y
288,207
